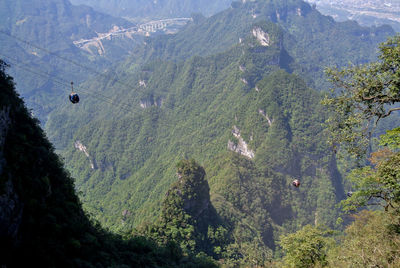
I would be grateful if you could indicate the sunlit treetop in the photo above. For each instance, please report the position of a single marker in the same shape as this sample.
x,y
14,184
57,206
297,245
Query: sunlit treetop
x,y
362,95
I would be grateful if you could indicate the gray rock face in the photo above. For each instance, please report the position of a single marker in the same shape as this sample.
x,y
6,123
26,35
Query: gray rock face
x,y
145,103
241,147
10,205
200,203
79,146
11,210
261,36
4,124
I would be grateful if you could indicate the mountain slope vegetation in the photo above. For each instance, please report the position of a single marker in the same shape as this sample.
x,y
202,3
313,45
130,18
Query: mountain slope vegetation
x,y
218,98
311,40
373,238
41,219
240,93
244,114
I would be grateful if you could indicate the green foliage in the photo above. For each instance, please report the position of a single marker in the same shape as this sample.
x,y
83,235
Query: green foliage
x,y
391,138
253,197
307,247
187,217
366,94
243,200
368,242
377,185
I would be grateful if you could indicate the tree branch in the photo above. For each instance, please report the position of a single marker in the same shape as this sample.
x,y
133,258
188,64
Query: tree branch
x,y
390,111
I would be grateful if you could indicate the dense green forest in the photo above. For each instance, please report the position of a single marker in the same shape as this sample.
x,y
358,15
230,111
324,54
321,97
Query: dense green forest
x,y
195,92
42,222
365,94
245,111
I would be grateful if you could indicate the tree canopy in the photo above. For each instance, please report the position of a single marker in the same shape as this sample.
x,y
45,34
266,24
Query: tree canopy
x,y
363,95
307,247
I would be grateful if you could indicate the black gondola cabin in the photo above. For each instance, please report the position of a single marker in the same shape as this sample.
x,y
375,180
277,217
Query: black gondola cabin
x,y
73,97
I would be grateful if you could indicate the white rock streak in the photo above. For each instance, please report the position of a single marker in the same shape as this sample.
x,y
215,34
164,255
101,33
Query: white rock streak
x,y
82,148
241,147
261,36
270,121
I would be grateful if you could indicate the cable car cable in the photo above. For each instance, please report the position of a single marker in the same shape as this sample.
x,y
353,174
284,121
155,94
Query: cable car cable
x,y
64,58
64,83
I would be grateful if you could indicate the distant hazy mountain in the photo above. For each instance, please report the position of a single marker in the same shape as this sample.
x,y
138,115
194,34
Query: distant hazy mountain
x,y
157,8
365,12
53,23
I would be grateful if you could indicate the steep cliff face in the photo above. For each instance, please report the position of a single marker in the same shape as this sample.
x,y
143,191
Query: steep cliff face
x,y
39,211
10,205
261,36
187,216
79,146
11,209
4,124
193,189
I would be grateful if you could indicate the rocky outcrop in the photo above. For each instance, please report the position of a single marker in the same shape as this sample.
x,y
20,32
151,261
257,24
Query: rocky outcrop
x,y
142,83
192,190
244,81
241,147
299,12
78,145
262,37
264,114
145,103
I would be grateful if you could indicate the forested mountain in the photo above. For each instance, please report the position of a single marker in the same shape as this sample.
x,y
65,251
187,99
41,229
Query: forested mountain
x,y
37,40
312,41
238,92
143,9
42,223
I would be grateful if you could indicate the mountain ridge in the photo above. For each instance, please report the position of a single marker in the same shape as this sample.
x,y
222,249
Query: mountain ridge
x,y
139,9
